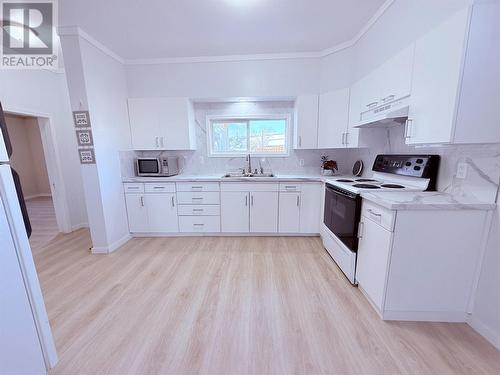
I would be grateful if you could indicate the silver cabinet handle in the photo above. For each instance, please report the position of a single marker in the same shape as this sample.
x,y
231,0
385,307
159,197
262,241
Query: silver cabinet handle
x,y
290,187
157,142
132,187
198,224
198,209
196,187
246,200
298,201
346,141
300,141
162,144
372,104
343,138
173,201
251,200
371,212
142,201
360,229
388,98
408,129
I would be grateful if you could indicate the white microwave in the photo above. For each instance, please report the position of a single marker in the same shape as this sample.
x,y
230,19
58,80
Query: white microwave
x,y
157,167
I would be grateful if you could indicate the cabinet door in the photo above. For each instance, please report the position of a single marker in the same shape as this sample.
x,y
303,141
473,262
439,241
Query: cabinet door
x,y
176,124
372,262
333,118
395,76
311,210
371,90
144,123
352,137
162,213
435,82
264,212
306,122
137,213
289,212
235,211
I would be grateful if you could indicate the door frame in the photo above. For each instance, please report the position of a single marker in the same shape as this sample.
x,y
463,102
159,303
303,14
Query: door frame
x,y
52,161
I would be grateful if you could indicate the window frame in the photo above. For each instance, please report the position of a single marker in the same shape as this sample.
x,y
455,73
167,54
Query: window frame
x,y
281,116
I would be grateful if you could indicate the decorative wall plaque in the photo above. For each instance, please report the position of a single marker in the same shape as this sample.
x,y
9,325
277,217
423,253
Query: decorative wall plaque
x,y
81,119
87,155
84,137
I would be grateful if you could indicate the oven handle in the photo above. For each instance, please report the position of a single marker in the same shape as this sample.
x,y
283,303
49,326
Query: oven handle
x,y
340,193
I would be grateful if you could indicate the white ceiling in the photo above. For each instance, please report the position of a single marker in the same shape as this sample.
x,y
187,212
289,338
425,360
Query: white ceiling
x,y
193,28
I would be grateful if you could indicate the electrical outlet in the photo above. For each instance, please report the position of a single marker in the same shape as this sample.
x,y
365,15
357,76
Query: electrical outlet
x,y
462,170
301,162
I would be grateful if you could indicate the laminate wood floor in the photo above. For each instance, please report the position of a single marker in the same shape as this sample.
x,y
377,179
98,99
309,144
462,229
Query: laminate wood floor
x,y
43,222
225,305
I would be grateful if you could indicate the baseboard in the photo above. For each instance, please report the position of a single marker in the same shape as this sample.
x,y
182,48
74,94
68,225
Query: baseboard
x,y
219,234
28,197
485,331
426,316
79,226
114,246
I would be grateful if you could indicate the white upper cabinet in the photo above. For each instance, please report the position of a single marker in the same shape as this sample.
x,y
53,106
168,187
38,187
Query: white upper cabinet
x,y
456,80
306,122
389,82
333,119
162,123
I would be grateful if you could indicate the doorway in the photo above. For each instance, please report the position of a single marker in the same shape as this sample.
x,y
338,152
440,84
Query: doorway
x,y
31,162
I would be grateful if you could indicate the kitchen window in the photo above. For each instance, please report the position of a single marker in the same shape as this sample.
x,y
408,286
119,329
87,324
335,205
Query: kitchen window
x,y
256,135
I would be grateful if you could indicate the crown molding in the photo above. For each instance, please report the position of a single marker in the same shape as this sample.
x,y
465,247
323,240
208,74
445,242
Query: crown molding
x,y
77,31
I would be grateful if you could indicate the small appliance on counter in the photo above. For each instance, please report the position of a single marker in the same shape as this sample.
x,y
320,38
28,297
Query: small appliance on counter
x,y
157,167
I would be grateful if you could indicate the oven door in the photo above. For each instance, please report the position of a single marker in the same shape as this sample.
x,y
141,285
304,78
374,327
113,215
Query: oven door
x,y
341,215
148,167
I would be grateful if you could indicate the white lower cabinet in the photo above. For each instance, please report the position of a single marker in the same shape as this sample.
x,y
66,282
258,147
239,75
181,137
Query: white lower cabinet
x,y
235,211
373,255
137,213
152,213
420,264
203,224
162,213
264,212
289,212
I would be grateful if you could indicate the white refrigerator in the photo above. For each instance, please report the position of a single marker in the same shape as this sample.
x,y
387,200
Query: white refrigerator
x,y
26,343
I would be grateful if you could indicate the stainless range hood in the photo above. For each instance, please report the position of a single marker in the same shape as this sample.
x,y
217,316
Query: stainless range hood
x,y
386,115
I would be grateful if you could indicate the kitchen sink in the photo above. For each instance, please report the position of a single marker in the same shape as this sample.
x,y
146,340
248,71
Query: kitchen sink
x,y
240,175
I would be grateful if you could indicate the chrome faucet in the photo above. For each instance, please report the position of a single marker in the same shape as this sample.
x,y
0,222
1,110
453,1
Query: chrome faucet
x,y
249,164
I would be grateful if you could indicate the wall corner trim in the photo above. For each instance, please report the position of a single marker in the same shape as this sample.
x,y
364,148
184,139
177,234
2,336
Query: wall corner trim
x,y
114,246
485,331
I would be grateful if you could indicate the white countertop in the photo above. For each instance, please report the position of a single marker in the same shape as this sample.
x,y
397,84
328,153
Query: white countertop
x,y
219,177
425,201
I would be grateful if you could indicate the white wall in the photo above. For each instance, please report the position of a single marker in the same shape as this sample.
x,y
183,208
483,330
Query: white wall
x,y
38,92
27,158
97,83
283,77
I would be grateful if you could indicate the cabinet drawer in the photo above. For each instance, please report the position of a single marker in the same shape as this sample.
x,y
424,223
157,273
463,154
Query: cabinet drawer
x,y
160,188
199,210
290,186
185,197
133,188
198,186
249,186
209,224
378,214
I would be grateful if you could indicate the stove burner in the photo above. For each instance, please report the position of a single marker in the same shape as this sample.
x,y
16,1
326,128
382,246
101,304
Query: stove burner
x,y
366,186
365,180
392,186
344,180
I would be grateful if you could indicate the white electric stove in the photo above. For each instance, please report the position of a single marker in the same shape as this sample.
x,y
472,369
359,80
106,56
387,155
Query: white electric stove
x,y
342,208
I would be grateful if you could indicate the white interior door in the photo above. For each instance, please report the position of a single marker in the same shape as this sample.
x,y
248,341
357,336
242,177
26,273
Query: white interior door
x,y
20,348
234,208
264,212
162,213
